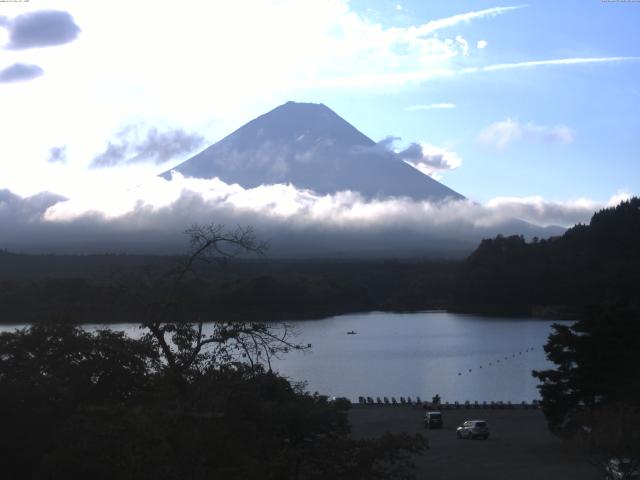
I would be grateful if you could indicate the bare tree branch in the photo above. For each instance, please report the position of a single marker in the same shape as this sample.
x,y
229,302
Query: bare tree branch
x,y
184,345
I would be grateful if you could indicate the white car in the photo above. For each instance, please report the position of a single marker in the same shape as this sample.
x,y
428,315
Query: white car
x,y
471,429
623,469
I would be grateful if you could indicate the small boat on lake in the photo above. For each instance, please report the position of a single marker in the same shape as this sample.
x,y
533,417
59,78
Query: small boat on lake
x,y
352,332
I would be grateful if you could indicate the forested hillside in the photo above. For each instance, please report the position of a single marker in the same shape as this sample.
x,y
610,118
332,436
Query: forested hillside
x,y
589,265
97,289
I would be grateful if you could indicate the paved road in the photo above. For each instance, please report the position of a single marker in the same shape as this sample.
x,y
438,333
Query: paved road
x,y
520,446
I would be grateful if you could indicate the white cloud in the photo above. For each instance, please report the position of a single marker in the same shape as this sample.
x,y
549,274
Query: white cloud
x,y
620,196
481,44
500,134
464,45
539,211
431,106
422,156
429,159
304,207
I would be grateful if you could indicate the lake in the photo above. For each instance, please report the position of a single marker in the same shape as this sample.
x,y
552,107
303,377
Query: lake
x,y
460,357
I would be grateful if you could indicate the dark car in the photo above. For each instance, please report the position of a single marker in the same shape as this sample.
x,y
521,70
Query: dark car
x,y
433,420
473,429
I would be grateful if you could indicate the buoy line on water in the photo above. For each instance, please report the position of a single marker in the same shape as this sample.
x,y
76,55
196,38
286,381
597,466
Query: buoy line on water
x,y
490,364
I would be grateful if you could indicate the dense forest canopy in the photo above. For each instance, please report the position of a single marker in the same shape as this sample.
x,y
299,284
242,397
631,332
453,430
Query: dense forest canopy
x,y
587,266
106,288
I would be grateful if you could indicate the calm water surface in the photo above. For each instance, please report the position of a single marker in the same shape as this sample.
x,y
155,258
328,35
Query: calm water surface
x,y
460,357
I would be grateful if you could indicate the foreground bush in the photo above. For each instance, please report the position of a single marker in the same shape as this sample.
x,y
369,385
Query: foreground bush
x,y
100,405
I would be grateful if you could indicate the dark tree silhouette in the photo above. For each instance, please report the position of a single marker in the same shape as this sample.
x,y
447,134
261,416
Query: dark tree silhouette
x,y
592,397
611,434
595,366
180,402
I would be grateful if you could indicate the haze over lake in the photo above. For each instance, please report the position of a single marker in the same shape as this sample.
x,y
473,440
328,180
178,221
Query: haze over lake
x,y
415,354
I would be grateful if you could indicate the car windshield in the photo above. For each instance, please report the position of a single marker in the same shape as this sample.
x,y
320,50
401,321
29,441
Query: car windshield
x,y
435,416
481,424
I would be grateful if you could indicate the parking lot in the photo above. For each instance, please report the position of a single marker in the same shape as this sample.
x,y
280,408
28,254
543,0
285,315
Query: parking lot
x,y
519,447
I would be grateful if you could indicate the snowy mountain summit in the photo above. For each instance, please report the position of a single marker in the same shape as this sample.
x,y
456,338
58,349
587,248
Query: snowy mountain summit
x,y
311,147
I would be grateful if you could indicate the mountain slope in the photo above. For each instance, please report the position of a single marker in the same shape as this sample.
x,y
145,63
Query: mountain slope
x,y
311,147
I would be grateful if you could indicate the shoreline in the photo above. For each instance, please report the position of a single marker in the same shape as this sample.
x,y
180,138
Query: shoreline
x,y
301,316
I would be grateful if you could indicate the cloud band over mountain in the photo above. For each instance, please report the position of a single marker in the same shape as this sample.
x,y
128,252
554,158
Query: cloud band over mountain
x,y
297,222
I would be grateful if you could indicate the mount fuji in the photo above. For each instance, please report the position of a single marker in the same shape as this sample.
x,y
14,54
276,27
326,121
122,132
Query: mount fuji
x,y
311,147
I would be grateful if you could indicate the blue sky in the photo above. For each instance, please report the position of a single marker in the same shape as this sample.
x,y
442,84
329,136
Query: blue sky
x,y
598,102
529,108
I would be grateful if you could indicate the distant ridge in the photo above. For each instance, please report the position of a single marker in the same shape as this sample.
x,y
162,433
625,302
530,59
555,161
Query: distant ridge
x,y
310,146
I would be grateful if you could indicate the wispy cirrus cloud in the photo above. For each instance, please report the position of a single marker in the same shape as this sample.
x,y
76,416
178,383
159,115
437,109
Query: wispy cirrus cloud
x,y
501,134
442,69
543,63
430,106
467,17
